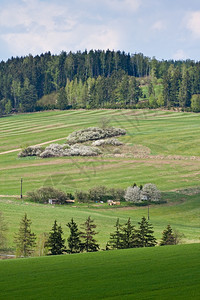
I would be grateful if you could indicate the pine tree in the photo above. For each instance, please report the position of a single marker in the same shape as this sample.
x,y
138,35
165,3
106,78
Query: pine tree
x,y
89,244
128,235
168,237
62,101
73,240
25,239
185,89
55,242
144,235
116,238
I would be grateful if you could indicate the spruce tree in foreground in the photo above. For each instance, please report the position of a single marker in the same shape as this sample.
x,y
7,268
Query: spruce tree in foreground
x,y
89,244
128,235
73,240
115,241
25,239
168,237
144,235
55,242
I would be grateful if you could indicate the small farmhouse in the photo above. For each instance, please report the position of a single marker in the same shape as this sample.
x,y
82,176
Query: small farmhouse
x,y
56,201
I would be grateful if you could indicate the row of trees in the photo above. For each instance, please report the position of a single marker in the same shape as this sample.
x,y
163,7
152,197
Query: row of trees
x,y
78,241
125,236
147,193
93,79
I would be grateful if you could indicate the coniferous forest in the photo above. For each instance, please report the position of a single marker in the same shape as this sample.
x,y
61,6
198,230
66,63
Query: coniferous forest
x,y
97,79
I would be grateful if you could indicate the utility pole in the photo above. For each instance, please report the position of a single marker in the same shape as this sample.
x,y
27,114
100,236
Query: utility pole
x,y
148,211
21,188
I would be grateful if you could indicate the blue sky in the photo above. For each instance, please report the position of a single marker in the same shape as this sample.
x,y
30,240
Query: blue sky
x,y
166,29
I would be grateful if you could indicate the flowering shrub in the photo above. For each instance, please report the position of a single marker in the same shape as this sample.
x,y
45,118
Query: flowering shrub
x,y
110,141
93,133
133,194
31,151
53,150
57,150
149,192
82,150
102,137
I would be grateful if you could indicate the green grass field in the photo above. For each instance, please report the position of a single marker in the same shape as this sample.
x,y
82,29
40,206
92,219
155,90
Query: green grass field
x,y
170,272
181,212
163,133
169,156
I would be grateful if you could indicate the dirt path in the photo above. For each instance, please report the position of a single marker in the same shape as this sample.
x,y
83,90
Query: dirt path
x,y
9,196
18,149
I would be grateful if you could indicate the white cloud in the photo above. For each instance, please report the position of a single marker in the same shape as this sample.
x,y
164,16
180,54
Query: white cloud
x,y
101,38
179,55
193,23
118,5
129,5
31,13
34,27
158,25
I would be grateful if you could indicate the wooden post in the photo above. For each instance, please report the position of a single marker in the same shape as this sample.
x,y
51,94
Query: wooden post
x,y
21,188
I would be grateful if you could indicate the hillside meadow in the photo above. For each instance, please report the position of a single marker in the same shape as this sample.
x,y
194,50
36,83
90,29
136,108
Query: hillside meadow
x,y
161,147
170,272
181,212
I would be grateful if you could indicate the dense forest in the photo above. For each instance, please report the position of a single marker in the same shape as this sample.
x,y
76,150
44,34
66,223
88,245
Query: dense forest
x,y
97,79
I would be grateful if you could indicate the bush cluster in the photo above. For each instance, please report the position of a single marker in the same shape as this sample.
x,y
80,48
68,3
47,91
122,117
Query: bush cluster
x,y
82,150
72,148
109,141
94,133
57,150
53,150
43,194
137,195
100,193
31,151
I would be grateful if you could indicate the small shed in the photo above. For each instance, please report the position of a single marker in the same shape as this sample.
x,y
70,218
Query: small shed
x,y
53,201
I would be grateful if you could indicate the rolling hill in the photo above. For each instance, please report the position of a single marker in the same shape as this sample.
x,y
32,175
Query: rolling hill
x,y
169,272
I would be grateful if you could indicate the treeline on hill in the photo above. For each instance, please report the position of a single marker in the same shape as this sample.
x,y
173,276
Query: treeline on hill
x,y
97,79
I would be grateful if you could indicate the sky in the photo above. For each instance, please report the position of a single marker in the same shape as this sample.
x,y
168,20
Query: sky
x,y
166,29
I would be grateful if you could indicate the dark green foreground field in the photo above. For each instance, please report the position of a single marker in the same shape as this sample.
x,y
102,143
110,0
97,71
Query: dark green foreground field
x,y
170,272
